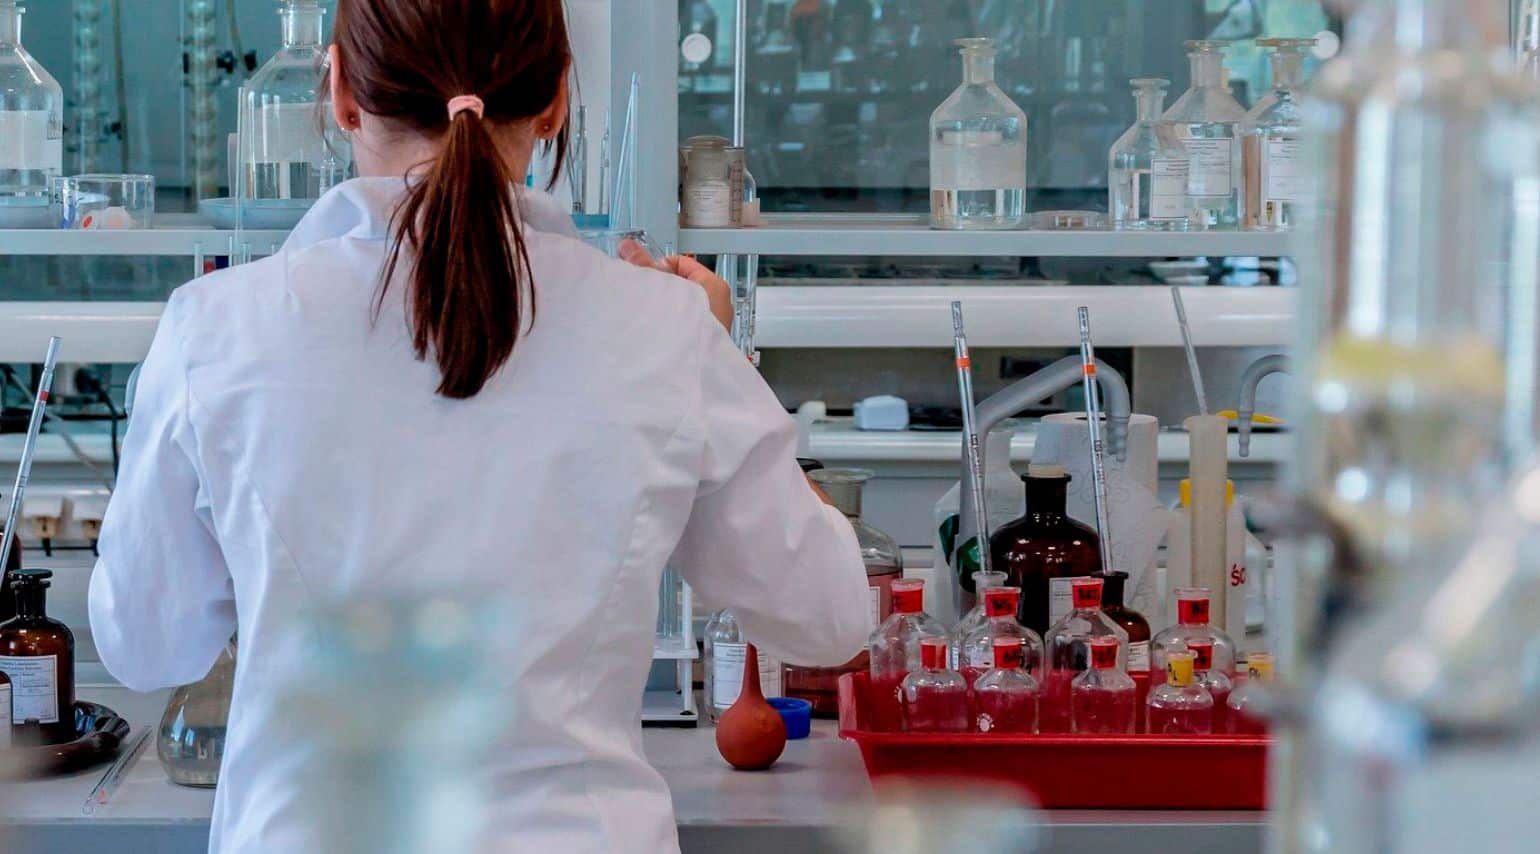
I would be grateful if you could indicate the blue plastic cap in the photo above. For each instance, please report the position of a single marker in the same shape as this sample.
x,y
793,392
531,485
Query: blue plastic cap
x,y
797,715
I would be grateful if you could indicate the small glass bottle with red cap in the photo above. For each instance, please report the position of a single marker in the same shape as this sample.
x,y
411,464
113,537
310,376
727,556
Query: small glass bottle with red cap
x,y
978,649
934,698
982,580
1181,706
895,649
1069,650
1103,698
1217,684
1192,611
1005,698
1241,707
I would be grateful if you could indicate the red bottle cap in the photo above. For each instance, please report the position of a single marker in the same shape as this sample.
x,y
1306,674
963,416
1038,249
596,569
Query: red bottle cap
x,y
909,596
1001,601
1009,653
1087,592
1203,653
1192,607
933,653
1104,653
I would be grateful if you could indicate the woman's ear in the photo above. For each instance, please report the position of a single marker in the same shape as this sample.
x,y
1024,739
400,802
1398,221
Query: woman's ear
x,y
553,118
344,107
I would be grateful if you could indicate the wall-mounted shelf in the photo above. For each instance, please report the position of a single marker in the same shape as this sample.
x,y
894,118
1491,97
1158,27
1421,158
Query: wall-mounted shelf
x,y
173,234
904,234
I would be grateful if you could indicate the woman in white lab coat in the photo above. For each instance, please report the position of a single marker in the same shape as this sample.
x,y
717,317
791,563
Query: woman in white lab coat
x,y
433,386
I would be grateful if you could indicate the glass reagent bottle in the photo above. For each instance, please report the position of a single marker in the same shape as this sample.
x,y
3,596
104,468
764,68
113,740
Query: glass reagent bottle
x,y
978,149
1005,698
1103,698
935,697
1180,707
1207,120
1148,168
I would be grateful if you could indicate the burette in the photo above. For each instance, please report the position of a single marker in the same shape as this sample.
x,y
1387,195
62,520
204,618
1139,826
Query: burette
x,y
1093,417
971,449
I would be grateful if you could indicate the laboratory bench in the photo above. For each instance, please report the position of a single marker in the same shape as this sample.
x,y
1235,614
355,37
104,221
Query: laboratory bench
x,y
818,783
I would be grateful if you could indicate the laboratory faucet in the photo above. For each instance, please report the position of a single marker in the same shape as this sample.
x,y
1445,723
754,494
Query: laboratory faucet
x,y
1247,409
1043,384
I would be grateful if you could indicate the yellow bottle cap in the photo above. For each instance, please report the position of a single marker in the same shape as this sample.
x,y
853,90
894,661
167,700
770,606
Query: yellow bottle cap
x,y
1259,666
1179,669
1184,491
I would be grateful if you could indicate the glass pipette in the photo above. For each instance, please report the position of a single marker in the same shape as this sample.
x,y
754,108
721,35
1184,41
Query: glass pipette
x,y
28,450
971,449
1093,417
1192,352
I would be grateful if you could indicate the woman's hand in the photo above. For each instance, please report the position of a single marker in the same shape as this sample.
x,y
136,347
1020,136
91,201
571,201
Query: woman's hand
x,y
718,294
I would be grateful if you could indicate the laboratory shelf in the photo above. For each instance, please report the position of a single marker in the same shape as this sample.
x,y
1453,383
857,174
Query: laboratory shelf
x,y
906,234
850,316
173,234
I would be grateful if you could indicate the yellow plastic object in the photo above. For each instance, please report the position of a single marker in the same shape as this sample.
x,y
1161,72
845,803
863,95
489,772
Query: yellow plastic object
x,y
1184,492
1256,419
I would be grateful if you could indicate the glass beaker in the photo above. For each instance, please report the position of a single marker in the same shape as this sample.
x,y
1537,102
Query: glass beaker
x,y
31,129
978,149
191,740
105,201
1148,168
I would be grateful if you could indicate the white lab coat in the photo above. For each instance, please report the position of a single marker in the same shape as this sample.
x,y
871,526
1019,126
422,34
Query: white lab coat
x,y
284,450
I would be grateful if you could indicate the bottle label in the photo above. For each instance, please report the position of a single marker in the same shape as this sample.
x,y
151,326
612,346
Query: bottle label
x,y
1192,612
708,204
1000,603
1104,656
977,658
1179,670
1086,593
1284,176
1010,654
727,673
34,687
1139,657
1202,654
1061,599
1169,179
1259,668
28,141
1212,162
5,716
874,599
933,653
909,600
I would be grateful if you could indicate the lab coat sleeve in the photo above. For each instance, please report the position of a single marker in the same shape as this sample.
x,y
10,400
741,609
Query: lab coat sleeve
x,y
162,602
759,540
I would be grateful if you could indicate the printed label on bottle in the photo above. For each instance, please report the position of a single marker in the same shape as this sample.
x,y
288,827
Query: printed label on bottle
x,y
1086,592
1061,598
1179,670
874,595
999,603
27,141
727,673
708,204
1104,656
1212,162
1139,657
1202,654
1284,176
1192,612
978,658
5,716
909,600
34,687
1009,653
1169,179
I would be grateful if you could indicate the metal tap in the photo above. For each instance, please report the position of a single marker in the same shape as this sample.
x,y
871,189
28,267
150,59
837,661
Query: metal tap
x,y
1253,376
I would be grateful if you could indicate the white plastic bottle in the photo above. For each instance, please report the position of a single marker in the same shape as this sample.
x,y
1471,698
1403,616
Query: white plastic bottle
x,y
1241,549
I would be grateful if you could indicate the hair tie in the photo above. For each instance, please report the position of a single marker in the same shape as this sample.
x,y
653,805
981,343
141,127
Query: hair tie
x,y
460,103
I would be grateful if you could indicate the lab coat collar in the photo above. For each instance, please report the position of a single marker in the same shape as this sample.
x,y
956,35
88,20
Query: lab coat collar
x,y
361,209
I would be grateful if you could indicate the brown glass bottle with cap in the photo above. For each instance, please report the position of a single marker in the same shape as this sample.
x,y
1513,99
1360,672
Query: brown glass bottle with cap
x,y
38,654
1043,550
1132,621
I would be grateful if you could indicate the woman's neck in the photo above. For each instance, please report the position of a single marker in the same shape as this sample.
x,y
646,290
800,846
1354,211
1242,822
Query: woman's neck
x,y
382,152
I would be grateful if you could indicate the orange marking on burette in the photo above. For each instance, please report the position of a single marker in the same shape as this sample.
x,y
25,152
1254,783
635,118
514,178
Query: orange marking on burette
x,y
1090,369
964,362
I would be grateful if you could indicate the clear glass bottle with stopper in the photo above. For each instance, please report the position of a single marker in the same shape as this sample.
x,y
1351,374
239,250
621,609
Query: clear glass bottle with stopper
x,y
978,149
31,129
1207,119
726,650
982,580
1278,183
285,153
1148,167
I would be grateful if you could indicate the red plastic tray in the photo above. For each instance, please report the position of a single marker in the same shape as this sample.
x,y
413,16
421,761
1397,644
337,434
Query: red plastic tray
x,y
1070,771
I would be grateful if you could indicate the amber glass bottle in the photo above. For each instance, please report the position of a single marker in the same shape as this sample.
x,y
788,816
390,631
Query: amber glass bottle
x,y
38,654
1043,550
1132,621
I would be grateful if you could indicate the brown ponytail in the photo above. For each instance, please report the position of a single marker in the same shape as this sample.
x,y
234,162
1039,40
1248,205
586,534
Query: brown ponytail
x,y
459,222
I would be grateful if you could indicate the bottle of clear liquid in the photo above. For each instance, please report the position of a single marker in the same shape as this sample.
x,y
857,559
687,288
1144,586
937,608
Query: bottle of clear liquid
x,y
1102,699
1005,698
191,739
978,149
894,649
1148,168
726,650
934,698
1207,119
1217,684
1069,649
285,153
1278,183
975,617
1181,706
1192,613
978,648
1240,714
31,128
